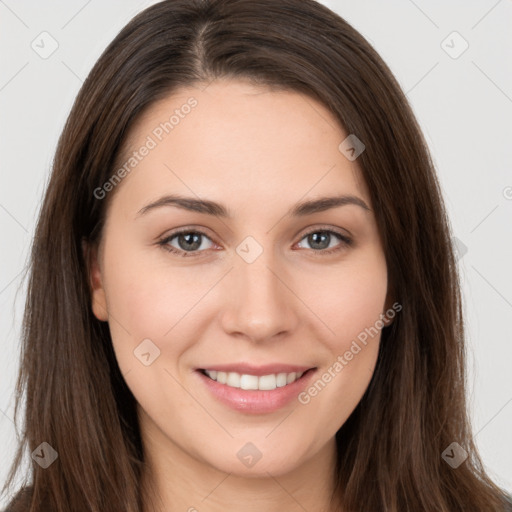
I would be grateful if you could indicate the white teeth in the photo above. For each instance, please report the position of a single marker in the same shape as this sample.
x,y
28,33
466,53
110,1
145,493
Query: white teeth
x,y
233,380
282,380
245,381
249,382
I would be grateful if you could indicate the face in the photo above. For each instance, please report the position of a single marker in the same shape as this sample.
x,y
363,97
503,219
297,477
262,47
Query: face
x,y
250,289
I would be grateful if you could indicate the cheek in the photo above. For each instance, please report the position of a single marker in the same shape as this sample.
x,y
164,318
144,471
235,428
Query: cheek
x,y
147,302
351,305
148,288
349,299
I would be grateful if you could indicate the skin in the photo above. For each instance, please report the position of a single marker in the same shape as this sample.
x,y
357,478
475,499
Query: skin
x,y
258,152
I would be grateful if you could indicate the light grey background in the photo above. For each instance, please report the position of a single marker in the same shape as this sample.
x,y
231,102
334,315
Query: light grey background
x,y
463,104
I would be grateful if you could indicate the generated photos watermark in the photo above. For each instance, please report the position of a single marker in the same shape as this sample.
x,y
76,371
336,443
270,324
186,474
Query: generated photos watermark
x,y
343,360
151,142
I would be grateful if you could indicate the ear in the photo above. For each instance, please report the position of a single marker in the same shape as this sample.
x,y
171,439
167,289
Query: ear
x,y
98,297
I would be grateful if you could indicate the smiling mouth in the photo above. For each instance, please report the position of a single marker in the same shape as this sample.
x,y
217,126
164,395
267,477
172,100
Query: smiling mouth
x,y
254,382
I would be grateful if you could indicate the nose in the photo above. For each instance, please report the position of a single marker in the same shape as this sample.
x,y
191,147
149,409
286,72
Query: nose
x,y
260,302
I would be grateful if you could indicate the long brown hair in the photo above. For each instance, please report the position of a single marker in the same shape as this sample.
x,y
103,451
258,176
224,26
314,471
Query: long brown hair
x,y
389,449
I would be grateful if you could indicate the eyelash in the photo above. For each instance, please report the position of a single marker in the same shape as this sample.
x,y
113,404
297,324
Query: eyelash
x,y
164,243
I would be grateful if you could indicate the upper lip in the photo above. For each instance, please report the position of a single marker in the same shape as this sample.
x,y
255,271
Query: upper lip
x,y
249,369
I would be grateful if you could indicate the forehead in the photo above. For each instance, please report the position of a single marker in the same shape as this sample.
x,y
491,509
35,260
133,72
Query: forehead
x,y
237,142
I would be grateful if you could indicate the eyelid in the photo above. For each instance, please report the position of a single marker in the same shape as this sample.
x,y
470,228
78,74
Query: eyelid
x,y
187,229
313,228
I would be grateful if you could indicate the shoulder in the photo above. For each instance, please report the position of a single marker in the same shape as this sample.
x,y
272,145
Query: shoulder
x,y
21,501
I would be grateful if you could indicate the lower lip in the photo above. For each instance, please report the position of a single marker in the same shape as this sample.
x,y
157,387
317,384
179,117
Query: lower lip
x,y
256,401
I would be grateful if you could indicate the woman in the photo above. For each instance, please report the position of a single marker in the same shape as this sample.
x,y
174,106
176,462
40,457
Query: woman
x,y
189,342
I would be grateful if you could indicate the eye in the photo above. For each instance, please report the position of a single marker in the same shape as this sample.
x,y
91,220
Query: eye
x,y
189,241
320,240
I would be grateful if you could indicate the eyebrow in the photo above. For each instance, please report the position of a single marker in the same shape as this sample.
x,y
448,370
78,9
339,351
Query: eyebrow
x,y
215,209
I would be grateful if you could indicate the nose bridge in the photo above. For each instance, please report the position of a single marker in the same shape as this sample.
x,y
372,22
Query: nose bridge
x,y
260,305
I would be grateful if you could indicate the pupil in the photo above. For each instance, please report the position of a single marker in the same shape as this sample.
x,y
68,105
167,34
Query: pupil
x,y
195,244
314,239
